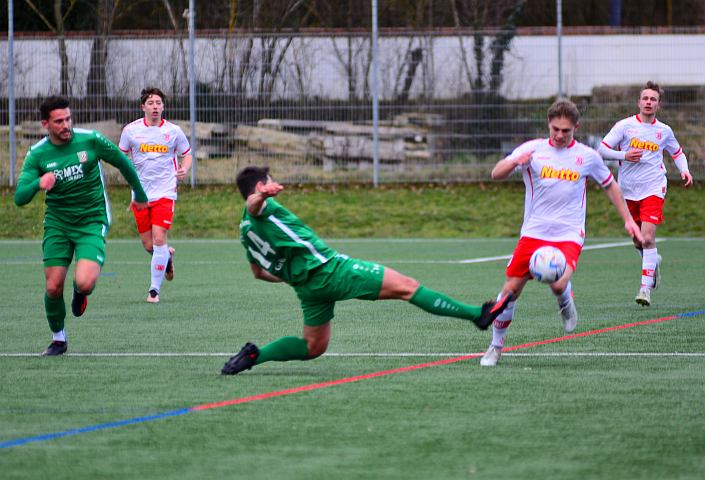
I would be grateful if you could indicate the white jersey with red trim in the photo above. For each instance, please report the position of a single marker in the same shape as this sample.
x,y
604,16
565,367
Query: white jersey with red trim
x,y
556,184
646,177
153,150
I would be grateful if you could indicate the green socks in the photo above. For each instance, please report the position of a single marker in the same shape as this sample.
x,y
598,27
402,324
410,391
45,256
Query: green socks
x,y
440,304
283,349
55,309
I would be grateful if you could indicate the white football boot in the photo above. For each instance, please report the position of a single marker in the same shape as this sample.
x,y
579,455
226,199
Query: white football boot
x,y
491,356
643,298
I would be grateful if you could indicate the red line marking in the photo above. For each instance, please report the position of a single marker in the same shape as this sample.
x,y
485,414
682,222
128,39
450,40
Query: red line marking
x,y
316,386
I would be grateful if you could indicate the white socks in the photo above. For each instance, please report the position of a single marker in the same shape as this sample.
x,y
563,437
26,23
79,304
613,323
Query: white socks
x,y
565,297
59,336
648,265
501,325
160,257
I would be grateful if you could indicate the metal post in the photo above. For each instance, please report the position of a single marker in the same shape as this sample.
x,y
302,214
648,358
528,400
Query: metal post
x,y
11,86
192,83
375,97
559,34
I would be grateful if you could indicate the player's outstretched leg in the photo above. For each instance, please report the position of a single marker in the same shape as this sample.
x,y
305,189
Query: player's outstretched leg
x,y
283,349
244,360
440,304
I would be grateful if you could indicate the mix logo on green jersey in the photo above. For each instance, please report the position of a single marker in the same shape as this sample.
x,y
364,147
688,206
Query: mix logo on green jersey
x,y
69,174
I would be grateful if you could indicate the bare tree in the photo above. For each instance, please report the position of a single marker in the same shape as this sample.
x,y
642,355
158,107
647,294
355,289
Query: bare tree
x,y
58,28
495,19
182,70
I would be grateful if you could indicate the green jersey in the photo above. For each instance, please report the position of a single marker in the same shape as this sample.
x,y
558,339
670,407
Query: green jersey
x,y
78,196
279,242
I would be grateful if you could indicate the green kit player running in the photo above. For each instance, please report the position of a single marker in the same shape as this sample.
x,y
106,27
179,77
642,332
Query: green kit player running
x,y
66,165
281,248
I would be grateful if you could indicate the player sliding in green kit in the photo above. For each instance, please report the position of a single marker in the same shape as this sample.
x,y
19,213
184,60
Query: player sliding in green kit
x,y
66,164
281,248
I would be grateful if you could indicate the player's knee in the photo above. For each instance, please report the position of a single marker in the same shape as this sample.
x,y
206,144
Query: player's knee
x,y
84,285
316,348
54,290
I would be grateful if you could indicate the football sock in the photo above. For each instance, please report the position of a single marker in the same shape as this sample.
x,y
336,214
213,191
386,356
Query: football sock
x,y
283,349
159,259
565,297
55,309
440,304
59,336
501,324
648,265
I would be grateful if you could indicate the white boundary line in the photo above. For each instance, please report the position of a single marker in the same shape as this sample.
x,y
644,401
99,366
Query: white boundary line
x,y
372,355
434,262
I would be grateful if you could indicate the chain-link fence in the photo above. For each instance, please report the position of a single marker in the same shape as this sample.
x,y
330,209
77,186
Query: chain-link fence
x,y
451,102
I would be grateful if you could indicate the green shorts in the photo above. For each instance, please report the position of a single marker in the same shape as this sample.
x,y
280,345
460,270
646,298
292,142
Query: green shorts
x,y
341,278
86,241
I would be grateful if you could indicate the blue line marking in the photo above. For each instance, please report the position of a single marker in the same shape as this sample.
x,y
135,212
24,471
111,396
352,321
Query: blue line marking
x,y
92,428
691,314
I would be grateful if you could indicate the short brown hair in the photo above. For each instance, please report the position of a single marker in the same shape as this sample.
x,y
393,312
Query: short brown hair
x,y
146,92
652,86
563,107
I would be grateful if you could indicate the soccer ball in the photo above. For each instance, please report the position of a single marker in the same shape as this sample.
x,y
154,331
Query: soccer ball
x,y
547,264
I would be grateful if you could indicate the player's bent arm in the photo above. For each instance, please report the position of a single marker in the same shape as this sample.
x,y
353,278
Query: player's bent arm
x,y
255,201
504,168
109,152
262,274
610,153
681,162
28,184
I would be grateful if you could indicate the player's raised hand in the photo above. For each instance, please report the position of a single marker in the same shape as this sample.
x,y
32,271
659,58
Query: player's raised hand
x,y
269,189
47,181
633,155
687,179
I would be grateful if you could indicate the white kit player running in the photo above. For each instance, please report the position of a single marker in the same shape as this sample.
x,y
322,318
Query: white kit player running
x,y
555,172
154,144
638,142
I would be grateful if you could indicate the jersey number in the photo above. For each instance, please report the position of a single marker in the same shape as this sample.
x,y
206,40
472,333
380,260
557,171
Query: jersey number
x,y
263,248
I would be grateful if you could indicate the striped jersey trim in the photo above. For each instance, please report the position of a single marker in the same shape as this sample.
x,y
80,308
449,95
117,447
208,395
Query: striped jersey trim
x,y
298,239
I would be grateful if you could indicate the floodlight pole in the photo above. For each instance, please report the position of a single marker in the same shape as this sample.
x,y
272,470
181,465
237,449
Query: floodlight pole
x,y
11,86
375,97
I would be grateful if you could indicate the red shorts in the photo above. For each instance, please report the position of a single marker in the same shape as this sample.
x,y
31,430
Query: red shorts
x,y
649,209
159,212
519,263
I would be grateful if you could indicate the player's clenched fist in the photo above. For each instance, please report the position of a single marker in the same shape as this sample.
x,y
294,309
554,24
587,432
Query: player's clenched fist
x,y
47,181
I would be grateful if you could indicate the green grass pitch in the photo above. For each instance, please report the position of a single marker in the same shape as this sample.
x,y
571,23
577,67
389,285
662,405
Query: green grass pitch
x,y
624,404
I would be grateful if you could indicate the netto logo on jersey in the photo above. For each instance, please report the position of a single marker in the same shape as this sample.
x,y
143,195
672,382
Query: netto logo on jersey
x,y
147,148
643,145
562,174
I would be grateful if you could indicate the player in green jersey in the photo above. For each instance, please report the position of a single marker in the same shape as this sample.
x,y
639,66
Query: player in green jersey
x,y
66,165
281,248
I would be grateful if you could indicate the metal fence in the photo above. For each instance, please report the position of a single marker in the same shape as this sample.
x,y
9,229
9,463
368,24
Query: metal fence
x,y
451,103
